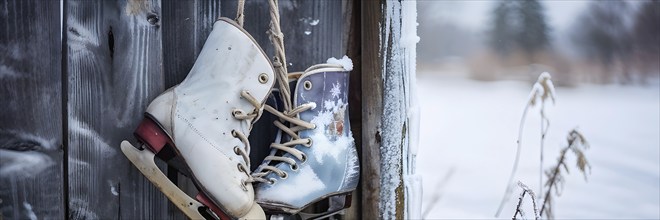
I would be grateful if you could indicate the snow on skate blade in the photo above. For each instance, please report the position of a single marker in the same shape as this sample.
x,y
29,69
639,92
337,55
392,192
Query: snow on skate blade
x,y
144,161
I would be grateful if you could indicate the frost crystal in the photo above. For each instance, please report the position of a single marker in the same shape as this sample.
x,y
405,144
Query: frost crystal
x,y
336,90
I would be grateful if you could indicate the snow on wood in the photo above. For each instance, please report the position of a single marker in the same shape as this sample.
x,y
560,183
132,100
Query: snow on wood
x,y
400,191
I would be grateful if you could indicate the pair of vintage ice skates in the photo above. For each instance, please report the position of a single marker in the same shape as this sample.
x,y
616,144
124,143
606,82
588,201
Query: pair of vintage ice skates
x,y
206,119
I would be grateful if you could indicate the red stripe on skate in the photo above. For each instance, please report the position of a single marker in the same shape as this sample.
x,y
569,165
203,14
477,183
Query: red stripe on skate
x,y
152,135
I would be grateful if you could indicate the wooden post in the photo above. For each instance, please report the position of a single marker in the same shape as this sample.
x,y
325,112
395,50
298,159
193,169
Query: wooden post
x,y
386,92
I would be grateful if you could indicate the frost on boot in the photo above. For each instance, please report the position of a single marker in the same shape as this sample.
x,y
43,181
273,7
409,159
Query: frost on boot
x,y
319,162
206,121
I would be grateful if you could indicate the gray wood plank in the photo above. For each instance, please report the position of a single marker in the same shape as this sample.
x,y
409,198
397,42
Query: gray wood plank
x,y
186,25
31,181
306,41
114,69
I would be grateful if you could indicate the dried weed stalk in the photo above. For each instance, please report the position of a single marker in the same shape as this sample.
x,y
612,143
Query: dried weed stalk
x,y
519,210
576,144
542,90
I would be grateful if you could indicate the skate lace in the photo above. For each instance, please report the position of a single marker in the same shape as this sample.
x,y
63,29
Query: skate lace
x,y
296,125
244,152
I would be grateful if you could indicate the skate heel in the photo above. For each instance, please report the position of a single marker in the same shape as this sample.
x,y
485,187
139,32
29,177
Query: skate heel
x,y
207,202
338,203
150,133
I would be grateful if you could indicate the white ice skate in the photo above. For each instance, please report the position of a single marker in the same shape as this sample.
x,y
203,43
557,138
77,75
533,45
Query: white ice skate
x,y
205,120
315,158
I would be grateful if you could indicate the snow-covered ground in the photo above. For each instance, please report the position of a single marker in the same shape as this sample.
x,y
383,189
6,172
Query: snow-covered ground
x,y
468,140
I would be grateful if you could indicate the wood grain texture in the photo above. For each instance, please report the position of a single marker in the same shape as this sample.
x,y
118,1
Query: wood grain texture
x,y
114,70
186,25
324,39
372,88
31,182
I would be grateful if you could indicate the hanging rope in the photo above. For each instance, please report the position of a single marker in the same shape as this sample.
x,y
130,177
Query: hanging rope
x,y
279,61
277,39
239,12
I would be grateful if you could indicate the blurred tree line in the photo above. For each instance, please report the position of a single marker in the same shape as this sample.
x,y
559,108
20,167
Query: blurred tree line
x,y
519,25
604,41
622,39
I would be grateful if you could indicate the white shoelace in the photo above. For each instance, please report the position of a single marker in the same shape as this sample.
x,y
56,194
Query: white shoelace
x,y
245,152
296,125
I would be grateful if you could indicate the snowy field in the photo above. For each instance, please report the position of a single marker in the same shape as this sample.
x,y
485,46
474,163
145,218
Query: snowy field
x,y
468,140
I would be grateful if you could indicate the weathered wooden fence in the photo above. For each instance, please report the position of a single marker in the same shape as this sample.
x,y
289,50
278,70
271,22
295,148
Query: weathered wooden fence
x,y
76,76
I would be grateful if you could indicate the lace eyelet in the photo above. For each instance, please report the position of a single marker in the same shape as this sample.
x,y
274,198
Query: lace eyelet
x,y
263,78
309,143
307,85
239,167
233,133
236,150
304,158
244,185
294,167
235,112
272,181
284,176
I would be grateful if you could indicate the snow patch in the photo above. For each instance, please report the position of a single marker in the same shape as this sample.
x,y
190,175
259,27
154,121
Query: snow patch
x,y
542,89
326,147
304,183
322,119
345,62
326,129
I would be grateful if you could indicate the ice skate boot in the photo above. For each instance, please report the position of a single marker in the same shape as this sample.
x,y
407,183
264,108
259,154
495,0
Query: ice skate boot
x,y
315,157
205,120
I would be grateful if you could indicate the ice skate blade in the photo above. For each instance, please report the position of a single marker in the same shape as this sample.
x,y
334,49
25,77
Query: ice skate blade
x,y
344,199
313,216
144,161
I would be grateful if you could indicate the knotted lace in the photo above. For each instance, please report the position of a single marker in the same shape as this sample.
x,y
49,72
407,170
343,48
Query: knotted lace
x,y
296,125
245,152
